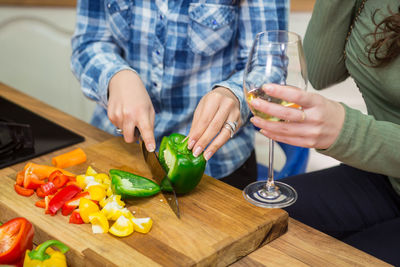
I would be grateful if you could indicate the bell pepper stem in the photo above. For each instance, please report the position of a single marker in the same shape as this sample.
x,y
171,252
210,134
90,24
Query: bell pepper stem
x,y
40,252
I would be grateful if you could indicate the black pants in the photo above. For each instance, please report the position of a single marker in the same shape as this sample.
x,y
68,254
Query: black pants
x,y
246,174
358,207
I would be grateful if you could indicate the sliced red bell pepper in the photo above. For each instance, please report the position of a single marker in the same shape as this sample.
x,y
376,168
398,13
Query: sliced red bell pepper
x,y
16,237
76,217
59,179
41,203
63,196
48,188
40,193
31,180
73,203
23,191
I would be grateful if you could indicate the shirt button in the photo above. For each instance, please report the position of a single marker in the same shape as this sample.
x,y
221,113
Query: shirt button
x,y
158,52
109,5
155,84
161,17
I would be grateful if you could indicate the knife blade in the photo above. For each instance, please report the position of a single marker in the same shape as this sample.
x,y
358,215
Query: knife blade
x,y
161,178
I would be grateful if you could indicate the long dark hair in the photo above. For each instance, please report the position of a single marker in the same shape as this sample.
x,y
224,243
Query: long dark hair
x,y
386,44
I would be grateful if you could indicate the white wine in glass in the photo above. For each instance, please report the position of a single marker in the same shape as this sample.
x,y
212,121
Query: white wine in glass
x,y
276,57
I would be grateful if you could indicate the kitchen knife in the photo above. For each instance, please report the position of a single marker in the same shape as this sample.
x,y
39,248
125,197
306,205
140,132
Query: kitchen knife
x,y
161,178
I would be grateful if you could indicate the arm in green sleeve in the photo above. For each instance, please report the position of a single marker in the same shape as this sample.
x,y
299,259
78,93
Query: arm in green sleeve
x,y
367,144
324,42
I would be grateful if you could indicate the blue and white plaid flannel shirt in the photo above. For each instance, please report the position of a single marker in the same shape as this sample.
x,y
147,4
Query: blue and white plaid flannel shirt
x,y
181,50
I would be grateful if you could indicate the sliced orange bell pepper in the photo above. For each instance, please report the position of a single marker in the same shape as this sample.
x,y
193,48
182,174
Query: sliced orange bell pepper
x,y
44,171
31,180
87,207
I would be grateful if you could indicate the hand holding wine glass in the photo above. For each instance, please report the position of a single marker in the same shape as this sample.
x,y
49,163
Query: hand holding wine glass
x,y
276,58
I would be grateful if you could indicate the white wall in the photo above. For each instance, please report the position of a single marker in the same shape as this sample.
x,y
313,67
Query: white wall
x,y
34,56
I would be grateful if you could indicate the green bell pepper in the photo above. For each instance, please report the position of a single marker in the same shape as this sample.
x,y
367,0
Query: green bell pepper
x,y
183,169
130,185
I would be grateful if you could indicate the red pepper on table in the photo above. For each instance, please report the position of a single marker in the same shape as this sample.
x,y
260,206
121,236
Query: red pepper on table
x,y
23,191
73,203
61,197
76,217
16,237
59,179
48,188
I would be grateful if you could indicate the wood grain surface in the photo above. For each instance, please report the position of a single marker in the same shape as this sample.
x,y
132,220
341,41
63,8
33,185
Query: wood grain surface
x,y
217,226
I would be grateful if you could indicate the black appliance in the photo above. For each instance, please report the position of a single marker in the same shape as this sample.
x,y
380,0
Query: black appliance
x,y
25,135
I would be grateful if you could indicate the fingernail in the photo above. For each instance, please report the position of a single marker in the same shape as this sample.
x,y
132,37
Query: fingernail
x,y
268,88
191,144
208,155
197,151
150,148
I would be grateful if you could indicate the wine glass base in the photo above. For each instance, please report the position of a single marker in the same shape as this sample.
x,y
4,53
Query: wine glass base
x,y
256,194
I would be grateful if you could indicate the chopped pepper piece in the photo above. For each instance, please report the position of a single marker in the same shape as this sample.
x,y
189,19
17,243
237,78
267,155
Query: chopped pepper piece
x,y
184,170
23,191
47,189
15,237
45,256
76,217
63,196
31,180
87,207
112,198
73,203
99,223
112,211
130,185
142,225
97,192
122,227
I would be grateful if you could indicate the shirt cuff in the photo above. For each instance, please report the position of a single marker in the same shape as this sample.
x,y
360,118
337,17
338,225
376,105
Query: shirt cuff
x,y
238,92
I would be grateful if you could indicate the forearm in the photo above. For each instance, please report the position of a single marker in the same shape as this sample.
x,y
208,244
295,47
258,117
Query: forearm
x,y
367,144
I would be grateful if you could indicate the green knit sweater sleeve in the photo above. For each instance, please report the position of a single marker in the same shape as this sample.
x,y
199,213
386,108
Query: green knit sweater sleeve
x,y
324,41
367,144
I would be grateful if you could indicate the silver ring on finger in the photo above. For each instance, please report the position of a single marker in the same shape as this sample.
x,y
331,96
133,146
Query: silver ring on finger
x,y
229,127
232,124
118,130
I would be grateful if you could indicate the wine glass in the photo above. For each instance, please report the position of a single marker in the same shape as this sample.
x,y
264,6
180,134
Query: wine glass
x,y
276,57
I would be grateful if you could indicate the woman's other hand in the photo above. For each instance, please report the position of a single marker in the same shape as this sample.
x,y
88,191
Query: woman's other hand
x,y
316,125
130,106
214,109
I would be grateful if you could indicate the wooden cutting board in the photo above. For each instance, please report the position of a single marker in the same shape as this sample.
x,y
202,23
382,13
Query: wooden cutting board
x,y
217,226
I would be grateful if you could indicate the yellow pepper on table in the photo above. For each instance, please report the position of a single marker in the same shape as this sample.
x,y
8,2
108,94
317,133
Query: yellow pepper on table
x,y
87,207
122,227
99,223
45,256
142,225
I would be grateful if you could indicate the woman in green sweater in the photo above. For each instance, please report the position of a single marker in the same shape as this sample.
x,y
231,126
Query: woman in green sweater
x,y
359,200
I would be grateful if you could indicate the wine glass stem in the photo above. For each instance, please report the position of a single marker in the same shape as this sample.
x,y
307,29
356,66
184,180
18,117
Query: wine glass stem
x,y
270,185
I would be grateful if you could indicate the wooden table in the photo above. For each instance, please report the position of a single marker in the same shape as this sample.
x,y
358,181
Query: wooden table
x,y
300,246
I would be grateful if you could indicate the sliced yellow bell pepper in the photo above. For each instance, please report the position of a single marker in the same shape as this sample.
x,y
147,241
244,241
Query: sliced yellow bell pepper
x,y
122,227
102,178
112,211
97,192
99,223
90,171
45,256
109,192
112,198
87,207
142,225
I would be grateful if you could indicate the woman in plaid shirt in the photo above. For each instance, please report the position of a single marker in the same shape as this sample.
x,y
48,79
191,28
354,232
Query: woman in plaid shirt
x,y
175,66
